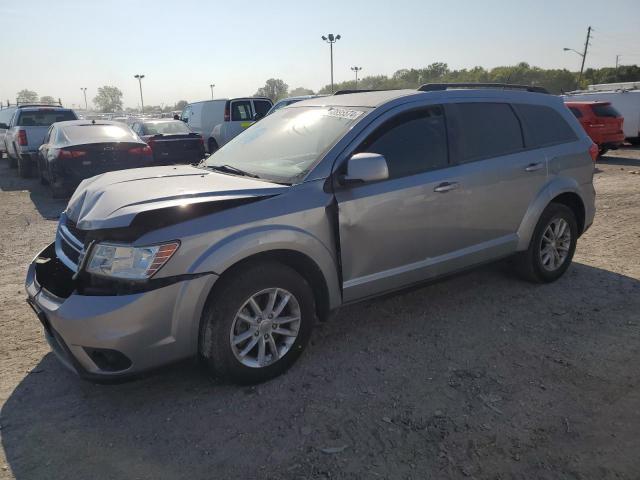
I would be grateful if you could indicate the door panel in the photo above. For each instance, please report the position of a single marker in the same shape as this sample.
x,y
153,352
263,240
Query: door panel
x,y
241,118
389,229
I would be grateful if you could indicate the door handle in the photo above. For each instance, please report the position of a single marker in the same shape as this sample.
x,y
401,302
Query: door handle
x,y
532,167
446,186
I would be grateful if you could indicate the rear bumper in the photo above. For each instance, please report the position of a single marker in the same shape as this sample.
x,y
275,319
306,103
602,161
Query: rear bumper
x,y
114,336
178,158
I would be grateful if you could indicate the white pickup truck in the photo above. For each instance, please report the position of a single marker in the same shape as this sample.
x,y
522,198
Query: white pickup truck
x,y
26,131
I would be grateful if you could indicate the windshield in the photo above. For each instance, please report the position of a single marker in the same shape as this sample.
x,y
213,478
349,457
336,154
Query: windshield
x,y
166,128
284,146
44,118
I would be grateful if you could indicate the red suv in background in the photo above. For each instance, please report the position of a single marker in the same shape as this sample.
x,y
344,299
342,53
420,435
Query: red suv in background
x,y
601,121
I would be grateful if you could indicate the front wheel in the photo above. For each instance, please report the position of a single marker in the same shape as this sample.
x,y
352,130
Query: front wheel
x,y
257,323
552,245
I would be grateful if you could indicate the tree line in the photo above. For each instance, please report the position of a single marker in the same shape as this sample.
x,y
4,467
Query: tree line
x,y
555,80
109,98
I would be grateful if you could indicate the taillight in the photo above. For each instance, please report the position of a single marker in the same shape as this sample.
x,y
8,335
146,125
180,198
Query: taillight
x,y
593,151
62,153
22,138
227,116
146,150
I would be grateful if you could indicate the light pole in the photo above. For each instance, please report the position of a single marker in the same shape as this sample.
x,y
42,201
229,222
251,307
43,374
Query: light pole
x,y
211,86
356,69
331,39
140,77
583,54
84,90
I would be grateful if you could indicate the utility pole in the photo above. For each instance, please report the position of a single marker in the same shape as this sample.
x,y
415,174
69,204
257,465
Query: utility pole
x,y
617,64
84,90
140,77
331,39
356,69
211,86
584,55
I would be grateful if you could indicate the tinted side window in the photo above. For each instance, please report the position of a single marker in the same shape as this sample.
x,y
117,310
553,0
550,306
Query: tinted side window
x,y
412,142
543,126
576,112
261,107
482,130
240,111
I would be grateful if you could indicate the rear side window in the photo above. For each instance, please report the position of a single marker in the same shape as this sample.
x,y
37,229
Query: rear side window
x,y
576,112
261,107
240,111
44,118
412,142
543,126
482,130
605,110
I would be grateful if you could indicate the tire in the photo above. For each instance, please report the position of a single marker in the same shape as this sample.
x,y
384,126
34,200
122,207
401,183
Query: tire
x,y
24,167
602,151
212,145
634,140
43,179
221,323
530,264
12,161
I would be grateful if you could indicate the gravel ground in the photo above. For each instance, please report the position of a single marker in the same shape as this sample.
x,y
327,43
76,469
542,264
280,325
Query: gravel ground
x,y
479,376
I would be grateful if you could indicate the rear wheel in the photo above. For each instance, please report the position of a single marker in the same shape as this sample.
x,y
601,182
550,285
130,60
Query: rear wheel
x,y
602,151
212,145
257,323
552,245
41,173
24,167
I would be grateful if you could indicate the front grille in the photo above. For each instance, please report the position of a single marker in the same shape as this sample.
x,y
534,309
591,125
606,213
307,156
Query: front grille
x,y
71,253
75,231
70,244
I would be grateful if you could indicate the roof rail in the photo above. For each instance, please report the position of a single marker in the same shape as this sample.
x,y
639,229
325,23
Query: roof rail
x,y
346,92
435,87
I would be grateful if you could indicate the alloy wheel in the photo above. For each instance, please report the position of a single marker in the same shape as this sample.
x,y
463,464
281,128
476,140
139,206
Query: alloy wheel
x,y
555,244
265,327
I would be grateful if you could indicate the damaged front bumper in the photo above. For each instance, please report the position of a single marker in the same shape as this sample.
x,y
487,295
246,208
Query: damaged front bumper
x,y
113,336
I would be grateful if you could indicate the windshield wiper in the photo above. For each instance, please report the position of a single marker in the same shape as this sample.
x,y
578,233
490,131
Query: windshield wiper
x,y
233,170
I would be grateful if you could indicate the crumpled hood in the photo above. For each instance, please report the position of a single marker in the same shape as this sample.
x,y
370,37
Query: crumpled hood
x,y
113,199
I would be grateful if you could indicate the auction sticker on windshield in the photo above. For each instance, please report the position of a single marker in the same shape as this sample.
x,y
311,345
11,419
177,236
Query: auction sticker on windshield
x,y
344,113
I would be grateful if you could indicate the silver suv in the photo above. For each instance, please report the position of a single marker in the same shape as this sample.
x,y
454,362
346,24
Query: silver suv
x,y
323,203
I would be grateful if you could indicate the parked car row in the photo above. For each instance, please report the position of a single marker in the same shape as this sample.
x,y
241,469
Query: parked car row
x,y
62,150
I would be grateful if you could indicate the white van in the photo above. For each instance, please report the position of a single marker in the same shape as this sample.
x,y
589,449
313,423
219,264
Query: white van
x,y
627,102
218,121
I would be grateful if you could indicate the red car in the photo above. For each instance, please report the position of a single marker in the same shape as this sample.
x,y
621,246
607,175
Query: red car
x,y
601,121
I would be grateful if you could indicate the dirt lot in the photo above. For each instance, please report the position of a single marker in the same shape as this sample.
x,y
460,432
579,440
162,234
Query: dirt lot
x,y
479,376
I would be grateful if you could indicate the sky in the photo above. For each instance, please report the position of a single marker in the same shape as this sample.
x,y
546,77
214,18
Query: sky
x,y
55,47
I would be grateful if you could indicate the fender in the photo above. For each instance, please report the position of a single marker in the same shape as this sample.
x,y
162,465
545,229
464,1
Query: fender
x,y
216,134
246,243
554,187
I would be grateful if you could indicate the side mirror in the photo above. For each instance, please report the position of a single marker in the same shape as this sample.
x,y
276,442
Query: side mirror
x,y
4,126
364,168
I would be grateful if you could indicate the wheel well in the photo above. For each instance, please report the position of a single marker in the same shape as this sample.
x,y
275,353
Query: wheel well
x,y
302,264
212,140
574,202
